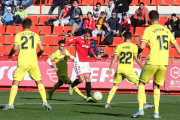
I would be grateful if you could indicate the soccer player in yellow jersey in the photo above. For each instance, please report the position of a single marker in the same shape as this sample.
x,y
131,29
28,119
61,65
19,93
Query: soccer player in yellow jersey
x,y
126,52
158,38
61,69
27,42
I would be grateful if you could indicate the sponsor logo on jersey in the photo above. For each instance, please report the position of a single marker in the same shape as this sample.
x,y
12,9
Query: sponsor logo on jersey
x,y
86,46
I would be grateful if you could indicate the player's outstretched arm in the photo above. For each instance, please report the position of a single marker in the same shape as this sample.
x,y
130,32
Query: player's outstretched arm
x,y
138,61
51,65
13,50
112,64
141,47
41,49
71,57
177,47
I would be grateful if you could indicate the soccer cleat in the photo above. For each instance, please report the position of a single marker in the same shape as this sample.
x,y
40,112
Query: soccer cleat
x,y
147,106
70,90
9,107
107,105
50,94
138,113
90,100
47,106
156,116
84,97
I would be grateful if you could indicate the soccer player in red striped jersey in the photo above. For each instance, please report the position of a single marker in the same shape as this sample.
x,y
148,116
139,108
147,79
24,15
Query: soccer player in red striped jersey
x,y
81,64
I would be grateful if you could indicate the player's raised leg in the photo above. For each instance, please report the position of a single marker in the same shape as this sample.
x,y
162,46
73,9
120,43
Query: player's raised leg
x,y
56,86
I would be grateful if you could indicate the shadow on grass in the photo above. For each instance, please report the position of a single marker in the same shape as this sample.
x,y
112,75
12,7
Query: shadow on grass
x,y
27,108
109,114
1,107
90,105
41,98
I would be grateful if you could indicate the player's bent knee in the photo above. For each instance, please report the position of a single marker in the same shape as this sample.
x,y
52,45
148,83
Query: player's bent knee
x,y
15,82
38,82
155,86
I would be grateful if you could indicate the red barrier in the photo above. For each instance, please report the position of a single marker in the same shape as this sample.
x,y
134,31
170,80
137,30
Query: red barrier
x,y
99,77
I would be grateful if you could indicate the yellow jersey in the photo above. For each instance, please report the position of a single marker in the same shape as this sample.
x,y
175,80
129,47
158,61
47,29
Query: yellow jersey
x,y
158,38
61,61
27,42
126,52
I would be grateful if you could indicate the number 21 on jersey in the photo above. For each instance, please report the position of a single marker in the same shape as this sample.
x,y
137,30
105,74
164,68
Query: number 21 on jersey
x,y
31,38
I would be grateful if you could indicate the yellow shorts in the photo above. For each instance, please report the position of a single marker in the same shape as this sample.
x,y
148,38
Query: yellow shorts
x,y
158,71
33,71
129,74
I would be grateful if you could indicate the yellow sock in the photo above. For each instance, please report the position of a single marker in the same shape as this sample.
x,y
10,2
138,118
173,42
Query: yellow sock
x,y
156,100
144,98
56,86
42,92
141,92
13,93
78,91
111,94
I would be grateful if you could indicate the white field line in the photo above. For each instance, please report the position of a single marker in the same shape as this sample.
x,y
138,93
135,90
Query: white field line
x,y
82,103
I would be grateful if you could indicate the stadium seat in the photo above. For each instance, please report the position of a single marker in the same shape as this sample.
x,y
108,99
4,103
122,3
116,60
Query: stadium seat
x,y
47,40
34,19
133,40
71,50
167,2
10,40
178,41
56,40
10,29
109,51
48,50
9,50
2,50
2,39
162,20
86,2
177,2
101,40
50,2
140,42
53,17
145,52
20,29
146,2
67,29
97,39
68,38
2,29
117,41
57,30
139,31
42,19
45,30
134,2
153,2
106,2
35,29
172,53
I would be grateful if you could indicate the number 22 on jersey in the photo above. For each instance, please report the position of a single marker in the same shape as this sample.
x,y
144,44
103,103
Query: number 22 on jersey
x,y
31,39
125,57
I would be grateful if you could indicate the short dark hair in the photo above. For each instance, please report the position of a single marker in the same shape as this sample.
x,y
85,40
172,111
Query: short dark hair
x,y
127,35
76,1
98,3
153,15
27,23
114,11
81,15
142,3
173,15
86,30
61,41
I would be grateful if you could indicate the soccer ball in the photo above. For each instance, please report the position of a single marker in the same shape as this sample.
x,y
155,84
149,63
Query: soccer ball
x,y
97,95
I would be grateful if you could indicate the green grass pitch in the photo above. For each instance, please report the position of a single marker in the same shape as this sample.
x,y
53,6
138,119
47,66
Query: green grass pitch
x,y
28,106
